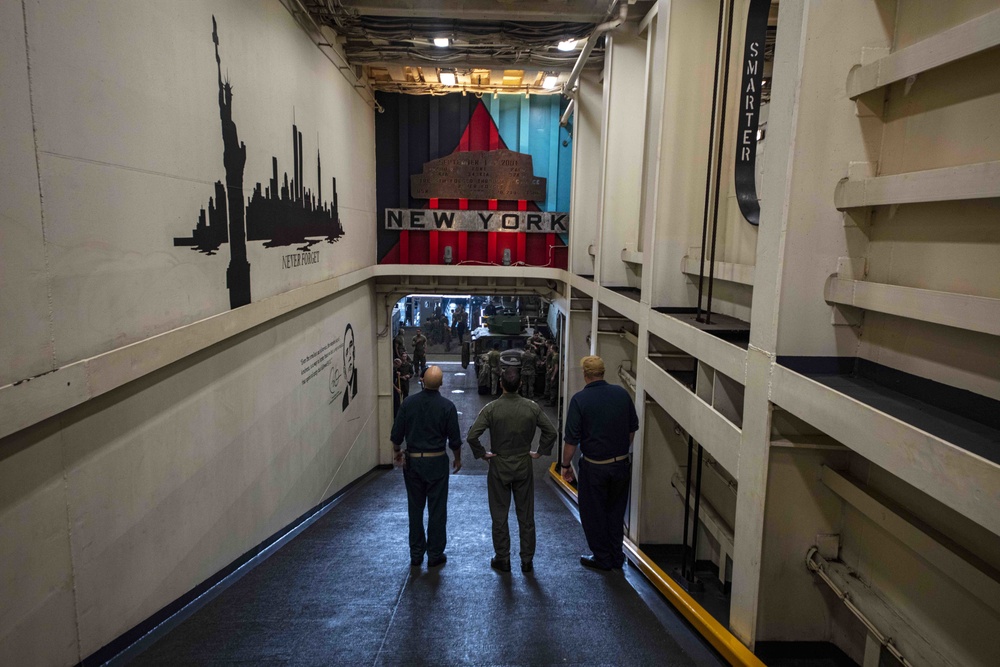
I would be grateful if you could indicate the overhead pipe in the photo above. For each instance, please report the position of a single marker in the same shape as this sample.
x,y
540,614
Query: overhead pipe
x,y
569,111
571,83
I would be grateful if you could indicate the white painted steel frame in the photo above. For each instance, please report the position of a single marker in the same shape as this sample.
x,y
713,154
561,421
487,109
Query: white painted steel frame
x,y
715,525
632,256
32,400
962,311
881,615
723,356
742,274
966,39
965,482
619,303
970,181
719,436
964,568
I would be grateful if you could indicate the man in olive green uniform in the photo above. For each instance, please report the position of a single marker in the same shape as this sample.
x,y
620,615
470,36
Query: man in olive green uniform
x,y
540,367
397,391
511,420
528,361
419,342
494,361
483,370
405,373
552,374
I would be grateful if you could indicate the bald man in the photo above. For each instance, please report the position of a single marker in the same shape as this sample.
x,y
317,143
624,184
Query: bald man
x,y
602,422
428,422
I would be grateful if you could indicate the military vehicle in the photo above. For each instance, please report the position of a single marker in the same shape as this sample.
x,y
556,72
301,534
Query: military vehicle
x,y
483,340
507,323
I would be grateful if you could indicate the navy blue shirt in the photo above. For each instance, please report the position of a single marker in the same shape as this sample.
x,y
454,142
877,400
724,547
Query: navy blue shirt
x,y
427,421
600,420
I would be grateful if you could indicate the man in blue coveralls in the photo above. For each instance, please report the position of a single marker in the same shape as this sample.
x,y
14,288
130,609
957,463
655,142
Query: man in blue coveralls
x,y
427,421
601,421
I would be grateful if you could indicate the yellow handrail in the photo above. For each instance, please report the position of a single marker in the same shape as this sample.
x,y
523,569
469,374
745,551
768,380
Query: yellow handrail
x,y
731,648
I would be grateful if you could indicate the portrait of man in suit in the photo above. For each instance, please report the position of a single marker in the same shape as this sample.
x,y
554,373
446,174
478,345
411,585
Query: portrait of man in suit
x,y
350,371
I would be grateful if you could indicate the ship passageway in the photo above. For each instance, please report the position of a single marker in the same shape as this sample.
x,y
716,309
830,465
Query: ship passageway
x,y
343,592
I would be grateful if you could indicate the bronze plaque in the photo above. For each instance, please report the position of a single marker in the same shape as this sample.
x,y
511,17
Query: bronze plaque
x,y
499,174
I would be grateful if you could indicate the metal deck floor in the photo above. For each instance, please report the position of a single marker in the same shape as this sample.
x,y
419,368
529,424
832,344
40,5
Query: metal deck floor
x,y
343,592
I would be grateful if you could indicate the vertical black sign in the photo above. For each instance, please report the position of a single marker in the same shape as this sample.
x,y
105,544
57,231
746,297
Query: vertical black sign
x,y
749,111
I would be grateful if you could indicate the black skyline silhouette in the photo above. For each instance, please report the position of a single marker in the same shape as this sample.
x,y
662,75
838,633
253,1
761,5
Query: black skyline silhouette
x,y
278,216
292,214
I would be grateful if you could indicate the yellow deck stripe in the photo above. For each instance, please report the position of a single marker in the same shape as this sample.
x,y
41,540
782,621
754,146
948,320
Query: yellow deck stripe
x,y
731,648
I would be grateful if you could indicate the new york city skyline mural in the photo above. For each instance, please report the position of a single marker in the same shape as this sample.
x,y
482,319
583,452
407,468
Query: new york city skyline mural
x,y
279,215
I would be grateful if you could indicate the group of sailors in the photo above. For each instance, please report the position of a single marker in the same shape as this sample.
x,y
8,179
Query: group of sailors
x,y
405,365
539,365
441,332
538,359
438,330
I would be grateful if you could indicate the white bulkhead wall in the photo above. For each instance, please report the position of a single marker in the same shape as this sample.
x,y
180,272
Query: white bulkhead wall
x,y
587,121
111,146
624,84
817,136
26,341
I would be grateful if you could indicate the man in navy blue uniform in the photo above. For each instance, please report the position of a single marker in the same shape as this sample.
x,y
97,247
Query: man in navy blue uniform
x,y
602,422
427,422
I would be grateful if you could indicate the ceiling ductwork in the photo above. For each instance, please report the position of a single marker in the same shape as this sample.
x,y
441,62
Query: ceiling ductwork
x,y
488,46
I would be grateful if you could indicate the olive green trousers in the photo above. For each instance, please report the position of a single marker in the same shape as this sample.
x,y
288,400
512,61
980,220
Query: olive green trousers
x,y
512,476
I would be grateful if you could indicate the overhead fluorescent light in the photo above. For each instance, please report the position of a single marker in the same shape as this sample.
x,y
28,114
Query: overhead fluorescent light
x,y
567,45
447,78
442,41
441,296
549,81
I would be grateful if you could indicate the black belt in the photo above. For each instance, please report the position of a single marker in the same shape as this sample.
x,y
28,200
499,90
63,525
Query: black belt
x,y
421,455
616,459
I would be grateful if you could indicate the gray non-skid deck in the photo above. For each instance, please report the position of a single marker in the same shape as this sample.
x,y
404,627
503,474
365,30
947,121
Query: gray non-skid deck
x,y
343,592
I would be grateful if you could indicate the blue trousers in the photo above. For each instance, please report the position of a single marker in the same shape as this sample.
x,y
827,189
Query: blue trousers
x,y
427,486
603,495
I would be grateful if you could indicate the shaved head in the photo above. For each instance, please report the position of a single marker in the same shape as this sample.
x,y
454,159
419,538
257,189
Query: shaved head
x,y
433,377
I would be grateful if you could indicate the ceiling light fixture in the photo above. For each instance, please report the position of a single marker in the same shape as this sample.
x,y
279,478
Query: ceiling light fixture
x,y
447,78
549,82
442,41
567,45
